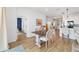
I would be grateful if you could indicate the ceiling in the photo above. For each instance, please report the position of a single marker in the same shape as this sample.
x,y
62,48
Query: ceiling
x,y
56,11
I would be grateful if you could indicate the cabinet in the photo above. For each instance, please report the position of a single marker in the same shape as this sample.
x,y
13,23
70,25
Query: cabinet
x,y
68,33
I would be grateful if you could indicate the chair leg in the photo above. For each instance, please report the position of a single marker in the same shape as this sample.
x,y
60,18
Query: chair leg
x,y
46,44
51,41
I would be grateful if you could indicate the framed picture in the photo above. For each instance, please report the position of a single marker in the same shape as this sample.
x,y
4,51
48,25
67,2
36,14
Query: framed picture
x,y
70,24
38,22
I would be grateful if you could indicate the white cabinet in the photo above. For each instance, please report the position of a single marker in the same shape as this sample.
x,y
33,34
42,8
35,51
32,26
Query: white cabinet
x,y
72,34
67,31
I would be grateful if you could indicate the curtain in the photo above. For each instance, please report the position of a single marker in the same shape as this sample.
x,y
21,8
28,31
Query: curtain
x,y
3,31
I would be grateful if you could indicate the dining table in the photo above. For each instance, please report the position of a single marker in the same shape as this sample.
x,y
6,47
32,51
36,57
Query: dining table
x,y
39,34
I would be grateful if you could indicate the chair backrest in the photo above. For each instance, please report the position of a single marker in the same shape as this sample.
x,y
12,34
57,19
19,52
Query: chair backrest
x,y
49,34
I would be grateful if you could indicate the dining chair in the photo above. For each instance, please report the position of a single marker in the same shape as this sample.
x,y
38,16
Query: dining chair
x,y
48,37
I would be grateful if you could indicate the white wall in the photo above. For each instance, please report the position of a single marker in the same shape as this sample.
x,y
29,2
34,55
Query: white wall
x,y
11,24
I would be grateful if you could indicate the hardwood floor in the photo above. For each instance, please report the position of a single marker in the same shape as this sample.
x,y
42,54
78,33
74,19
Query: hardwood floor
x,y
59,45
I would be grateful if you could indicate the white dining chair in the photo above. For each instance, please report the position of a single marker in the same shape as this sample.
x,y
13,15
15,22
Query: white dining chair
x,y
48,37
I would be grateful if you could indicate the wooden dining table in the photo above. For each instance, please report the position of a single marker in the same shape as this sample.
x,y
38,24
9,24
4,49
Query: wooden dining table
x,y
39,34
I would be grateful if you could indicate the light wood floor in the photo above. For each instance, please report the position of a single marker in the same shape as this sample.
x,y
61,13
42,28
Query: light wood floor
x,y
59,45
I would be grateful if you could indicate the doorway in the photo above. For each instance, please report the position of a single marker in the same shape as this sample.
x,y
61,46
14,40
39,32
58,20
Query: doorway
x,y
19,24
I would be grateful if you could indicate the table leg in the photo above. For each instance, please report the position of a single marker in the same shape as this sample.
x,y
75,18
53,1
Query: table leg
x,y
37,41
